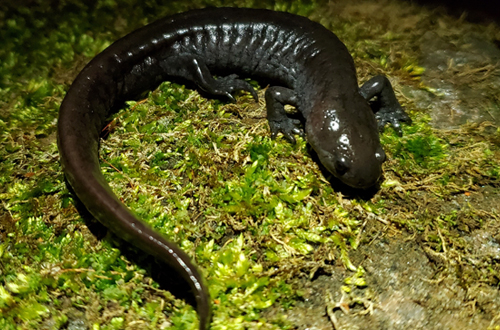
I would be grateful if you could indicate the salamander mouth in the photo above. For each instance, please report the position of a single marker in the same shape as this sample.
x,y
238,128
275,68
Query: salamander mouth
x,y
361,182
361,175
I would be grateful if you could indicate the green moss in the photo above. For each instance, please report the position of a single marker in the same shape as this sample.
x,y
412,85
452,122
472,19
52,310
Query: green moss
x,y
419,149
204,173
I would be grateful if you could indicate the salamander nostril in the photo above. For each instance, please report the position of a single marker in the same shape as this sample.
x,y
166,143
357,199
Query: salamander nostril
x,y
341,166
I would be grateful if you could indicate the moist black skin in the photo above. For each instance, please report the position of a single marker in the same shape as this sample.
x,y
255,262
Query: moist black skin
x,y
310,66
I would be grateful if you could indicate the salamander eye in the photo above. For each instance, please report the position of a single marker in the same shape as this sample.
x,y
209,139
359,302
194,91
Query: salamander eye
x,y
380,156
341,166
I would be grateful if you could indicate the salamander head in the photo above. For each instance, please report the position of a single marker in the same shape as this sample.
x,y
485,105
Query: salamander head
x,y
344,134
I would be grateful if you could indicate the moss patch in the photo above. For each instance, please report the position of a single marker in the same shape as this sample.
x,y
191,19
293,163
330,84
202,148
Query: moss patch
x,y
257,215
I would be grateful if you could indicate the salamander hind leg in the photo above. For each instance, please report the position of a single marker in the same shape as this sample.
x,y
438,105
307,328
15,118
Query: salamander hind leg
x,y
390,110
276,98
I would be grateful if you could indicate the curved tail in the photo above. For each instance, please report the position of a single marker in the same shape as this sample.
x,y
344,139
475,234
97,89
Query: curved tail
x,y
82,115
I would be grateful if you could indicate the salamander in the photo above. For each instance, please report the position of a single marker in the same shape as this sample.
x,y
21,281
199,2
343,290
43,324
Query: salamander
x,y
310,68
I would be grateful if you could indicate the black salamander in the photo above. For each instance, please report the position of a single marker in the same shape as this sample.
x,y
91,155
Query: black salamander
x,y
310,66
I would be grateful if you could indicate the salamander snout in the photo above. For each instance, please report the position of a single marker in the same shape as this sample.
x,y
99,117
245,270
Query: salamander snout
x,y
358,164
358,171
347,142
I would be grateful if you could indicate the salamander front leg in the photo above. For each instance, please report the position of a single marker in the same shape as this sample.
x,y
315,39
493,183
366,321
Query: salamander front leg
x,y
230,84
276,98
390,110
195,70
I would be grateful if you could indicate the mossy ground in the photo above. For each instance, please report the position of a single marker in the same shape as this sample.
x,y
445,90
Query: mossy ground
x,y
257,215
